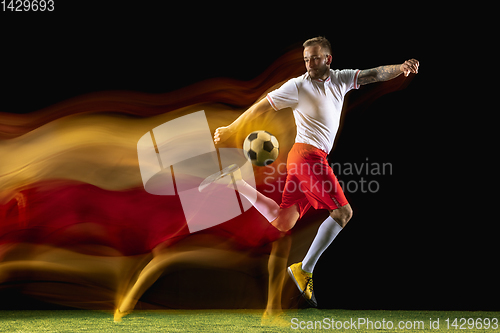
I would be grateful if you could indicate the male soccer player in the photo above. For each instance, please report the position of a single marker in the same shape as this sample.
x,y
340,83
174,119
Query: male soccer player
x,y
316,98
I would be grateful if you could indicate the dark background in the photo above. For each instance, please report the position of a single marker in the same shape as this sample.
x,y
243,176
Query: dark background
x,y
415,244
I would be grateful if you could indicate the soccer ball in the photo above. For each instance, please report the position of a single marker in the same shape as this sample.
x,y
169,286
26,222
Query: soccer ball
x,y
261,148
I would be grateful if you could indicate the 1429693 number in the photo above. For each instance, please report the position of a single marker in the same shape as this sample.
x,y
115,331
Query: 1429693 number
x,y
472,323
27,5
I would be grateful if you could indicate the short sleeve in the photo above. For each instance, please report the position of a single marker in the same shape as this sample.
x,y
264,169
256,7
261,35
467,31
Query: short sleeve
x,y
348,79
286,96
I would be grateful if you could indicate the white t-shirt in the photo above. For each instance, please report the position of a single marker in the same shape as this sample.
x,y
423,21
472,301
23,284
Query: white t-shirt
x,y
316,105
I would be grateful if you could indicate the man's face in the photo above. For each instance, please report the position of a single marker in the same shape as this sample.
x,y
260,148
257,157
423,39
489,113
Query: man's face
x,y
317,62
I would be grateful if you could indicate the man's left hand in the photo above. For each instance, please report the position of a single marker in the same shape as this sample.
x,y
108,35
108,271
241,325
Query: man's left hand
x,y
410,66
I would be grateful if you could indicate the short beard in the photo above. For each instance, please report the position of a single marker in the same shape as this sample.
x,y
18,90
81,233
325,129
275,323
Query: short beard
x,y
320,73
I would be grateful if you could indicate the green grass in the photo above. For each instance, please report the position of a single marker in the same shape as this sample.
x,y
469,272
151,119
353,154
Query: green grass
x,y
229,321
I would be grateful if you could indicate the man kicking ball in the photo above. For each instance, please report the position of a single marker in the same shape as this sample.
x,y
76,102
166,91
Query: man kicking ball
x,y
316,98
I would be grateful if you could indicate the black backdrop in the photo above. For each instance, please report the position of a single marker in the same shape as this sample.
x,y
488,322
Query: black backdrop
x,y
413,244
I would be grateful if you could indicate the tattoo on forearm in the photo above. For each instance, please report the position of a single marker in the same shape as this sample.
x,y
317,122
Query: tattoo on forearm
x,y
381,73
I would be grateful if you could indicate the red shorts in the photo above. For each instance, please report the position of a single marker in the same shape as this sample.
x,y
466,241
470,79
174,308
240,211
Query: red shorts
x,y
310,181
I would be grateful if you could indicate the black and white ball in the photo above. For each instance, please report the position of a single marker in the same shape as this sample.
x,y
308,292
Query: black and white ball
x,y
261,148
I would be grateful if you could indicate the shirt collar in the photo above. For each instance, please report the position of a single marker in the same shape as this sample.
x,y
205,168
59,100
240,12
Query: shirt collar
x,y
328,79
319,80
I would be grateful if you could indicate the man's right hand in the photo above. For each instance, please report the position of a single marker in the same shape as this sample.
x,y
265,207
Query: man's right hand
x,y
222,134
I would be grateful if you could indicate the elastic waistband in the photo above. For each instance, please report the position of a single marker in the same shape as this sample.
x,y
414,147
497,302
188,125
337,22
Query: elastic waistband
x,y
309,148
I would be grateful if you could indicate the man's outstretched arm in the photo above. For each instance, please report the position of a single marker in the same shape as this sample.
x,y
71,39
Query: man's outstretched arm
x,y
223,133
385,73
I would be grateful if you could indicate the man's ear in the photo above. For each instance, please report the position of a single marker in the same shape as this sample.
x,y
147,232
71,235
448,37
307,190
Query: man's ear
x,y
329,59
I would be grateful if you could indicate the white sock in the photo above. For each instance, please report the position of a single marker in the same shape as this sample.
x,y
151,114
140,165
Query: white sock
x,y
266,206
327,232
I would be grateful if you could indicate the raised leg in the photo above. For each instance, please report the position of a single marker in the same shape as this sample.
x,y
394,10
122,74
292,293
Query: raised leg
x,y
266,206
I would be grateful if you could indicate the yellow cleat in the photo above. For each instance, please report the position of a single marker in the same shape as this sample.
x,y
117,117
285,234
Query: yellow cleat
x,y
303,281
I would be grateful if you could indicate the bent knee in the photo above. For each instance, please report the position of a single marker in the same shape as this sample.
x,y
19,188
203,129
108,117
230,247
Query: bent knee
x,y
287,217
283,226
343,220
342,215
